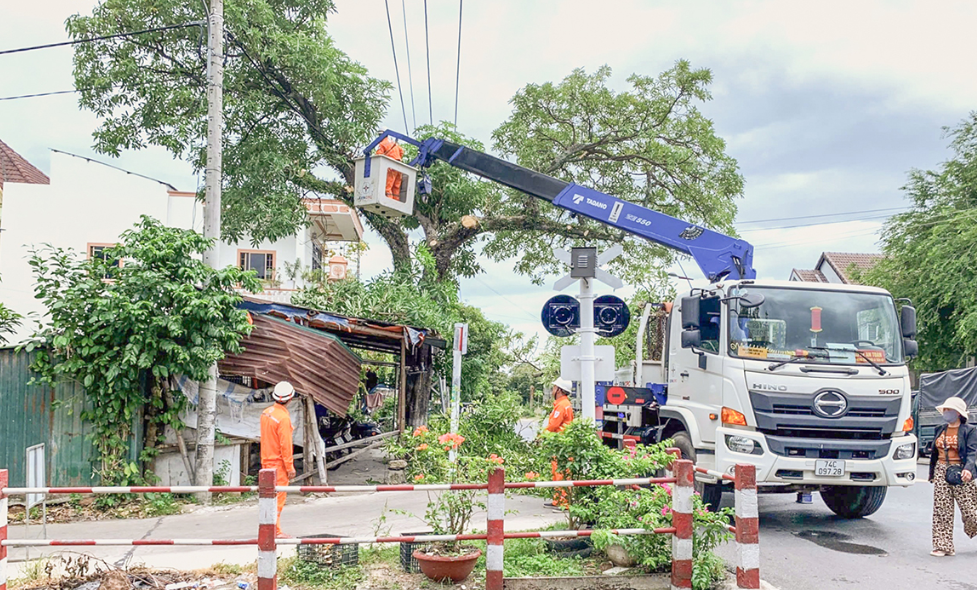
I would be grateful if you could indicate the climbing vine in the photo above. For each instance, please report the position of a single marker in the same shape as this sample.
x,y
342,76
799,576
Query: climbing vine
x,y
121,323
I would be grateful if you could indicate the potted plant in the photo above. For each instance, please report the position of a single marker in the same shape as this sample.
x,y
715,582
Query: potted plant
x,y
448,512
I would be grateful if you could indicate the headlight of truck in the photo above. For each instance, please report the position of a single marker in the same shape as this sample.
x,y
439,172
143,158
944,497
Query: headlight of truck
x,y
906,451
742,444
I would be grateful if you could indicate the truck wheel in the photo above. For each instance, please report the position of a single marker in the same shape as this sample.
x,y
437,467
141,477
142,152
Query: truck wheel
x,y
853,501
712,493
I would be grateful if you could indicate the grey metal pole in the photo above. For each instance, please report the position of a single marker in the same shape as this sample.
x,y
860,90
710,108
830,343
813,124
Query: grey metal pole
x,y
207,403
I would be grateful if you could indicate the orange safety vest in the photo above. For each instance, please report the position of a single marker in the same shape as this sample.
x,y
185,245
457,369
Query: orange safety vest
x,y
561,415
388,147
276,438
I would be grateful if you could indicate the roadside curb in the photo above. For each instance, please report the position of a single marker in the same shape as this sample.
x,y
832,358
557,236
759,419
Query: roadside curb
x,y
730,584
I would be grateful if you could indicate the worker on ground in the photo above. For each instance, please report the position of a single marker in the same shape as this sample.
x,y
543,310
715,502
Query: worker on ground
x,y
561,415
388,147
276,444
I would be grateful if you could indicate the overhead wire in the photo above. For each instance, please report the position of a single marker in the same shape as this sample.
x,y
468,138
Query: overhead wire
x,y
461,4
101,38
410,74
427,48
824,215
757,229
393,49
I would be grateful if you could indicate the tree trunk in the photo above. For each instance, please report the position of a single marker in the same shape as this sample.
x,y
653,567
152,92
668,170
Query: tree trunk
x,y
419,365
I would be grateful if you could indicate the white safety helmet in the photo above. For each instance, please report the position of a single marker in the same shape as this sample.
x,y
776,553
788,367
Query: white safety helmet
x,y
283,392
564,384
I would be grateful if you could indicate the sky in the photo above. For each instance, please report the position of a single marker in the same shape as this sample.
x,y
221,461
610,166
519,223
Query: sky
x,y
826,106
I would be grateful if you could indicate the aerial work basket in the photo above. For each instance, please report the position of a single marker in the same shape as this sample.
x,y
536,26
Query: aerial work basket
x,y
385,174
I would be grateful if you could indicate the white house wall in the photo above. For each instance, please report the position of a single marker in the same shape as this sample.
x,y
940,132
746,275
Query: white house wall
x,y
85,203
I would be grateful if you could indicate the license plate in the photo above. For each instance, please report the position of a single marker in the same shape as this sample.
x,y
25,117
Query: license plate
x,y
829,468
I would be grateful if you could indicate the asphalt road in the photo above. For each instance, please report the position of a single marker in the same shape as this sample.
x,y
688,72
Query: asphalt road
x,y
807,547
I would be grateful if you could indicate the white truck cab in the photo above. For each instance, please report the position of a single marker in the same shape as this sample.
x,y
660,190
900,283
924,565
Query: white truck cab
x,y
807,381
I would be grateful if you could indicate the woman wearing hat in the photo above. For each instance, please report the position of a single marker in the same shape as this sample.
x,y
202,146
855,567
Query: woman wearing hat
x,y
952,472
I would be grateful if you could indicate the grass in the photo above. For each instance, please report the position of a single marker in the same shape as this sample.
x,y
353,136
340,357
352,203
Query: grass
x,y
383,553
34,571
302,574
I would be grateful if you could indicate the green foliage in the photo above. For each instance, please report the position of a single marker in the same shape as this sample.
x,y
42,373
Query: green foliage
x,y
413,296
293,102
930,252
528,558
10,320
707,569
648,145
163,313
160,505
580,454
307,574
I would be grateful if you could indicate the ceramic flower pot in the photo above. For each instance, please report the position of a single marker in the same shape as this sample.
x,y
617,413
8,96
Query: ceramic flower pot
x,y
441,568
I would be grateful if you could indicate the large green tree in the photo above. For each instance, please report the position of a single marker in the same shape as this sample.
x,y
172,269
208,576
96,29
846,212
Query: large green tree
x,y
119,330
930,252
649,144
296,108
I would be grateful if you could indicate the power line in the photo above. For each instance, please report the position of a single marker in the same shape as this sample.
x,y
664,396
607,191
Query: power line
x,y
38,95
410,74
461,4
393,49
511,302
102,38
755,229
823,215
427,47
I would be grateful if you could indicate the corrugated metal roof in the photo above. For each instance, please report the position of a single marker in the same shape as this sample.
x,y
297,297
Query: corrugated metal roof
x,y
316,363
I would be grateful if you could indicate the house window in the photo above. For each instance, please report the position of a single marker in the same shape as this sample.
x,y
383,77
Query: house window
x,y
101,251
316,256
262,262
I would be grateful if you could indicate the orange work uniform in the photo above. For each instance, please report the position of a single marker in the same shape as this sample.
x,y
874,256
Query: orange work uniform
x,y
276,449
388,147
561,415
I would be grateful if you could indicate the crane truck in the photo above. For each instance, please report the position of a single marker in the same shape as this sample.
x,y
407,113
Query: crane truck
x,y
806,381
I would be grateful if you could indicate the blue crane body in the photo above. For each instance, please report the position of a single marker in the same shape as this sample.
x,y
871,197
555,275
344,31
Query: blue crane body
x,y
719,256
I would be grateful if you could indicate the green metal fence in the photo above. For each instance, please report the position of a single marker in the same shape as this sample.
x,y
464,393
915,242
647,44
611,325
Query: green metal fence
x,y
32,414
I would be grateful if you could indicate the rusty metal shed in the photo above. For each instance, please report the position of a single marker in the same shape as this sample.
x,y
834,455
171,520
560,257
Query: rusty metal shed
x,y
412,345
317,363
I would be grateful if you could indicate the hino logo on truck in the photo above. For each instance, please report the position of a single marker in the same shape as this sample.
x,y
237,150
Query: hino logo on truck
x,y
765,387
830,404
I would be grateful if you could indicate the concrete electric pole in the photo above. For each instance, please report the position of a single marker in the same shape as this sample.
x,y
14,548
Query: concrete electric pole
x,y
207,403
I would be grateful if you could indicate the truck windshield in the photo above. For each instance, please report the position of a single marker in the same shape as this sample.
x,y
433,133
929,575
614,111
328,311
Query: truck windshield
x,y
832,327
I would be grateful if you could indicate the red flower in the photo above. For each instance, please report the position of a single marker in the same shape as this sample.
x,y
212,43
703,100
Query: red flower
x,y
420,430
451,440
419,477
531,475
495,459
422,447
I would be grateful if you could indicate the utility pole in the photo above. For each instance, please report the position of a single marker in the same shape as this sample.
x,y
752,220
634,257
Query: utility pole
x,y
207,404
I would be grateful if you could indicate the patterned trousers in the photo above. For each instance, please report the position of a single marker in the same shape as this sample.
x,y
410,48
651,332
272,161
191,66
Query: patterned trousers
x,y
944,495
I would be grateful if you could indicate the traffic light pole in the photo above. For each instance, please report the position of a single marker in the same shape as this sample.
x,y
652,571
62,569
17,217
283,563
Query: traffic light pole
x,y
587,358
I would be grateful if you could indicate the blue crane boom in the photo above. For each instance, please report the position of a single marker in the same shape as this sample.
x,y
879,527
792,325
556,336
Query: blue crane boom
x,y
719,256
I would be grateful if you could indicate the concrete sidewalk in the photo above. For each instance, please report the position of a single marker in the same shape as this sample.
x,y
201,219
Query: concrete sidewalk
x,y
338,514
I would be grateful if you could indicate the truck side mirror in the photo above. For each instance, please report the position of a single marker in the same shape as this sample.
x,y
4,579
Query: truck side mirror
x,y
907,320
691,339
911,346
690,314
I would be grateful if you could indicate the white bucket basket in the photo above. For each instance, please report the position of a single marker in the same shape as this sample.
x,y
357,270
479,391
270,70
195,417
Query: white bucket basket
x,y
370,193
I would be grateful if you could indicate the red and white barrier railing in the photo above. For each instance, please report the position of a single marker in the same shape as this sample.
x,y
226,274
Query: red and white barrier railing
x,y
746,529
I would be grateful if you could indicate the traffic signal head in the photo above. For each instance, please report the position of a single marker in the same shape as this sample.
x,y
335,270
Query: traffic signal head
x,y
561,316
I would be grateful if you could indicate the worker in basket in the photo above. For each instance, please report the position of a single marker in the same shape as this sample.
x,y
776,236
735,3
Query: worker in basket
x,y
388,147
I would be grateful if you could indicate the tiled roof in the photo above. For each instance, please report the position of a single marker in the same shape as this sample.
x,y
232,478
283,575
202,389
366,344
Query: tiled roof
x,y
811,276
841,261
14,168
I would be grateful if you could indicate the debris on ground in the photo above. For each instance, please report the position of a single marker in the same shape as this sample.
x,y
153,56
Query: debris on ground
x,y
84,572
